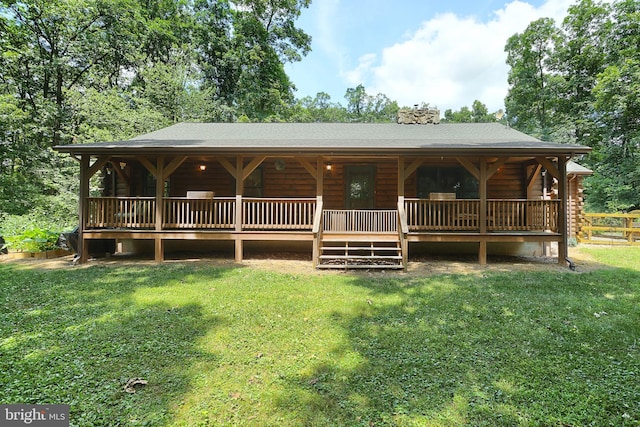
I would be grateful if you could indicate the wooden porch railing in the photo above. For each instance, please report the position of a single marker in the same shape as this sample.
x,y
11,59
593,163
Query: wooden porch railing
x,y
523,215
463,215
299,214
278,214
442,215
190,213
181,212
352,221
120,212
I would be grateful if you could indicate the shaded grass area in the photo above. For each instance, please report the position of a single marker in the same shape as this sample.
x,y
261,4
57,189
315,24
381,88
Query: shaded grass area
x,y
243,346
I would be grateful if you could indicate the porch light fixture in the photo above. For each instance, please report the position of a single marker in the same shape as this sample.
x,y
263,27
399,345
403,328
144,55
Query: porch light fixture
x,y
202,168
329,168
280,164
123,165
109,169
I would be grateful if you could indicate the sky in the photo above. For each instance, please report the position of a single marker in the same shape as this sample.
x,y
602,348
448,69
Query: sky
x,y
444,53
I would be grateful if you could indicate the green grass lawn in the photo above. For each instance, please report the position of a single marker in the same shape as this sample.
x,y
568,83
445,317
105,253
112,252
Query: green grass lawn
x,y
244,346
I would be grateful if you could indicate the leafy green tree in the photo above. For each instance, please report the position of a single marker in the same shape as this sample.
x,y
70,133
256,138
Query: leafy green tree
x,y
579,58
365,108
479,113
531,101
54,46
242,52
112,115
617,106
168,29
165,86
319,109
464,115
580,83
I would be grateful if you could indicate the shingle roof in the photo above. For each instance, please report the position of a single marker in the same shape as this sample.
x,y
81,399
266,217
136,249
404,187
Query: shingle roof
x,y
575,169
322,138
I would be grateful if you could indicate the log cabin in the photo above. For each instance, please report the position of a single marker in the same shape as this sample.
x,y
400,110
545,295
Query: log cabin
x,y
354,195
575,187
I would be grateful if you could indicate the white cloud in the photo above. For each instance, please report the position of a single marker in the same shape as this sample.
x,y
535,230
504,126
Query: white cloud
x,y
361,72
450,61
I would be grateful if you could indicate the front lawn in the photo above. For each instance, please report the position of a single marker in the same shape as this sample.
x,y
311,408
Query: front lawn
x,y
245,346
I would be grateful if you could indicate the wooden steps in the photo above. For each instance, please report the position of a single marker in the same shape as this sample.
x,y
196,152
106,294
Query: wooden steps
x,y
360,251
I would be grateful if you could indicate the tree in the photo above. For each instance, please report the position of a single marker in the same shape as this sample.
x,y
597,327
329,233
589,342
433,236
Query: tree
x,y
168,29
479,113
617,106
319,109
463,115
113,115
242,52
579,59
364,108
531,100
56,46
579,83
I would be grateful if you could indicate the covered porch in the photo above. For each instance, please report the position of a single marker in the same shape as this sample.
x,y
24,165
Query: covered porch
x,y
336,235
362,193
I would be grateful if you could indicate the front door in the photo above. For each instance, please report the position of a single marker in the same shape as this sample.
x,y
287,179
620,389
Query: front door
x,y
360,187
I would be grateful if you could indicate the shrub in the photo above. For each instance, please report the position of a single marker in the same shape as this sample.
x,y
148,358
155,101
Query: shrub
x,y
33,240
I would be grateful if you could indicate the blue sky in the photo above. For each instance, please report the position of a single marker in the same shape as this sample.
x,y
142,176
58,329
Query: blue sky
x,y
445,53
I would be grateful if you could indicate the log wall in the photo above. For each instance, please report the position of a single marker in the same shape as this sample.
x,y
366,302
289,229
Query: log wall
x,y
576,205
386,184
189,177
509,182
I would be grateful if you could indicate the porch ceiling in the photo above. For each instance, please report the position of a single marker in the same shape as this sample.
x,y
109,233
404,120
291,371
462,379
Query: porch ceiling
x,y
469,139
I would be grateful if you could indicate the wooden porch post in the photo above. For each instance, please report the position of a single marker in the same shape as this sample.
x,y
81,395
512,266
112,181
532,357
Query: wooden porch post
x,y
482,215
239,191
401,177
403,238
563,246
83,245
317,240
159,243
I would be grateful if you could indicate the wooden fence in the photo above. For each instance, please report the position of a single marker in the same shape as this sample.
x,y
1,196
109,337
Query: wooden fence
x,y
610,229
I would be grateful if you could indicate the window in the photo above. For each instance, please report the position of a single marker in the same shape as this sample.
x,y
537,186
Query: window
x,y
149,185
447,180
253,184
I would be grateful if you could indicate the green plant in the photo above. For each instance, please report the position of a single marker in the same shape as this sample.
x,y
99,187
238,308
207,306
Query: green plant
x,y
33,240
